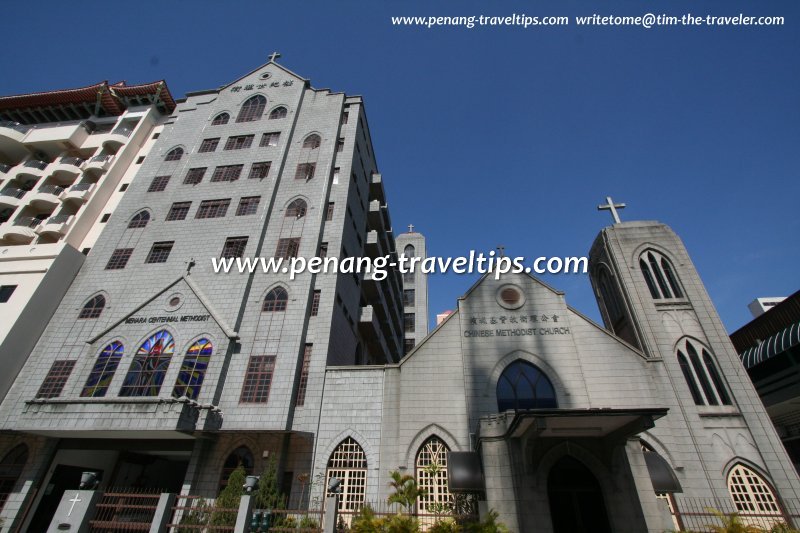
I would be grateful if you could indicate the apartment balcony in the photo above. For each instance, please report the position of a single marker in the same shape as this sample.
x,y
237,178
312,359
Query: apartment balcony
x,y
4,169
117,137
56,226
53,139
67,165
98,164
369,327
21,231
376,191
11,197
46,196
78,193
11,135
33,168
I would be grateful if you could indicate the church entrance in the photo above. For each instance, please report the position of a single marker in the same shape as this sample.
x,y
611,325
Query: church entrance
x,y
576,500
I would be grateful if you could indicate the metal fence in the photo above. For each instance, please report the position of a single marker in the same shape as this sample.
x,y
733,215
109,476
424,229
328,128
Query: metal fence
x,y
425,519
702,514
125,510
193,514
287,520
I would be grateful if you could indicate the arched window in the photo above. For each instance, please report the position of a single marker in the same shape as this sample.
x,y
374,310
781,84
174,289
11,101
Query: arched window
x,y
10,470
659,276
409,251
608,293
523,386
312,141
752,495
174,155
275,300
103,372
240,456
348,463
140,219
221,119
278,112
432,477
701,375
296,209
252,109
193,370
94,307
149,366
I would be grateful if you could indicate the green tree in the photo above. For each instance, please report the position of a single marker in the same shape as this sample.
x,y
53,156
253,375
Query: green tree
x,y
229,499
198,515
731,523
268,495
406,490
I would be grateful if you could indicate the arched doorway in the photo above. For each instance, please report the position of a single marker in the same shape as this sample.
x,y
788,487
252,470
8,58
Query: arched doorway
x,y
576,500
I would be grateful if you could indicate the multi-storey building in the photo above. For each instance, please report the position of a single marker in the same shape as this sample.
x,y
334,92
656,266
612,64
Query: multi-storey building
x,y
415,288
66,158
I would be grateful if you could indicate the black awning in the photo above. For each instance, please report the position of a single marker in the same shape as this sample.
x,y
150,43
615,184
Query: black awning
x,y
661,474
772,346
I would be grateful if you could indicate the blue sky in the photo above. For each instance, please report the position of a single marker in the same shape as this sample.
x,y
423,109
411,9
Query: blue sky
x,y
503,136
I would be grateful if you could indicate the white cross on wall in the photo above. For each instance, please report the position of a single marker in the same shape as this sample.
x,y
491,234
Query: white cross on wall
x,y
611,206
74,501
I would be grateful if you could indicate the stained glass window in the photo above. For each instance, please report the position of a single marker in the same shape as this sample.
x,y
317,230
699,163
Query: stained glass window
x,y
523,386
193,370
149,366
103,371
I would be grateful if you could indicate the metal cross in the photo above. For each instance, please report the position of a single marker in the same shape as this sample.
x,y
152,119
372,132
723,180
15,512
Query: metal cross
x,y
502,250
74,501
411,228
611,206
273,56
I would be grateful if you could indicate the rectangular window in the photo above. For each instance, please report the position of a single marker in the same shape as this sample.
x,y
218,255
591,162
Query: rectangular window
x,y
5,292
336,176
159,252
213,208
408,322
209,145
340,145
248,205
345,117
408,297
288,248
179,210
329,213
305,171
234,247
227,173
408,345
257,379
323,250
194,176
303,385
119,258
315,303
408,277
270,139
55,379
140,160
124,187
105,218
158,184
239,142
259,170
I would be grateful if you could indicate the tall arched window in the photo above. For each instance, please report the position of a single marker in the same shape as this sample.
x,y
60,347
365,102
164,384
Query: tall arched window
x,y
275,300
523,386
296,209
432,476
10,470
409,251
193,370
140,219
278,112
702,377
312,141
174,155
93,308
348,463
609,295
752,495
149,366
252,109
103,372
240,456
221,119
659,276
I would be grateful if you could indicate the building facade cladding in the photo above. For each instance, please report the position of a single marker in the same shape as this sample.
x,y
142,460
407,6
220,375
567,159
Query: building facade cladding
x,y
185,298
418,282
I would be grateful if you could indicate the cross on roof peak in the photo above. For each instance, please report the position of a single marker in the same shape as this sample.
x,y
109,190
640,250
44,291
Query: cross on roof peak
x,y
273,56
411,228
611,206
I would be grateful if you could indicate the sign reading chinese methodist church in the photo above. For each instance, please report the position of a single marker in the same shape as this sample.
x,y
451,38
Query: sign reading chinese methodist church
x,y
550,329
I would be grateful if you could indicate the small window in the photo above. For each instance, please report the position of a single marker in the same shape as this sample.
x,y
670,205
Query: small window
x,y
252,109
275,300
409,251
124,187
140,160
93,308
315,303
5,292
345,117
158,184
659,276
174,154
340,145
56,379
296,209
178,211
259,170
323,250
336,176
221,119
312,141
105,218
288,248
409,322
86,251
300,400
305,171
194,176
258,379
248,205
119,258
277,113
227,173
234,247
270,139
408,297
523,386
209,145
701,375
159,252
213,208
239,142
139,220
408,345
329,212
156,135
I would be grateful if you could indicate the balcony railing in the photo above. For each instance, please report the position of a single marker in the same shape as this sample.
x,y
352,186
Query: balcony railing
x,y
51,189
4,168
14,126
101,158
74,161
81,187
58,219
27,222
13,192
122,130
35,163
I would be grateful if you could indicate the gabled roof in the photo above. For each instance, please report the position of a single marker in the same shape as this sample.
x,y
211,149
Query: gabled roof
x,y
240,78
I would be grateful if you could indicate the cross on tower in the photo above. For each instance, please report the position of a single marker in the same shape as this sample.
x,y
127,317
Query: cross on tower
x,y
273,56
411,228
611,206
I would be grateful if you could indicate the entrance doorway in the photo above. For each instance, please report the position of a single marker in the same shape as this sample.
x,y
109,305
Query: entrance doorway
x,y
576,500
64,477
